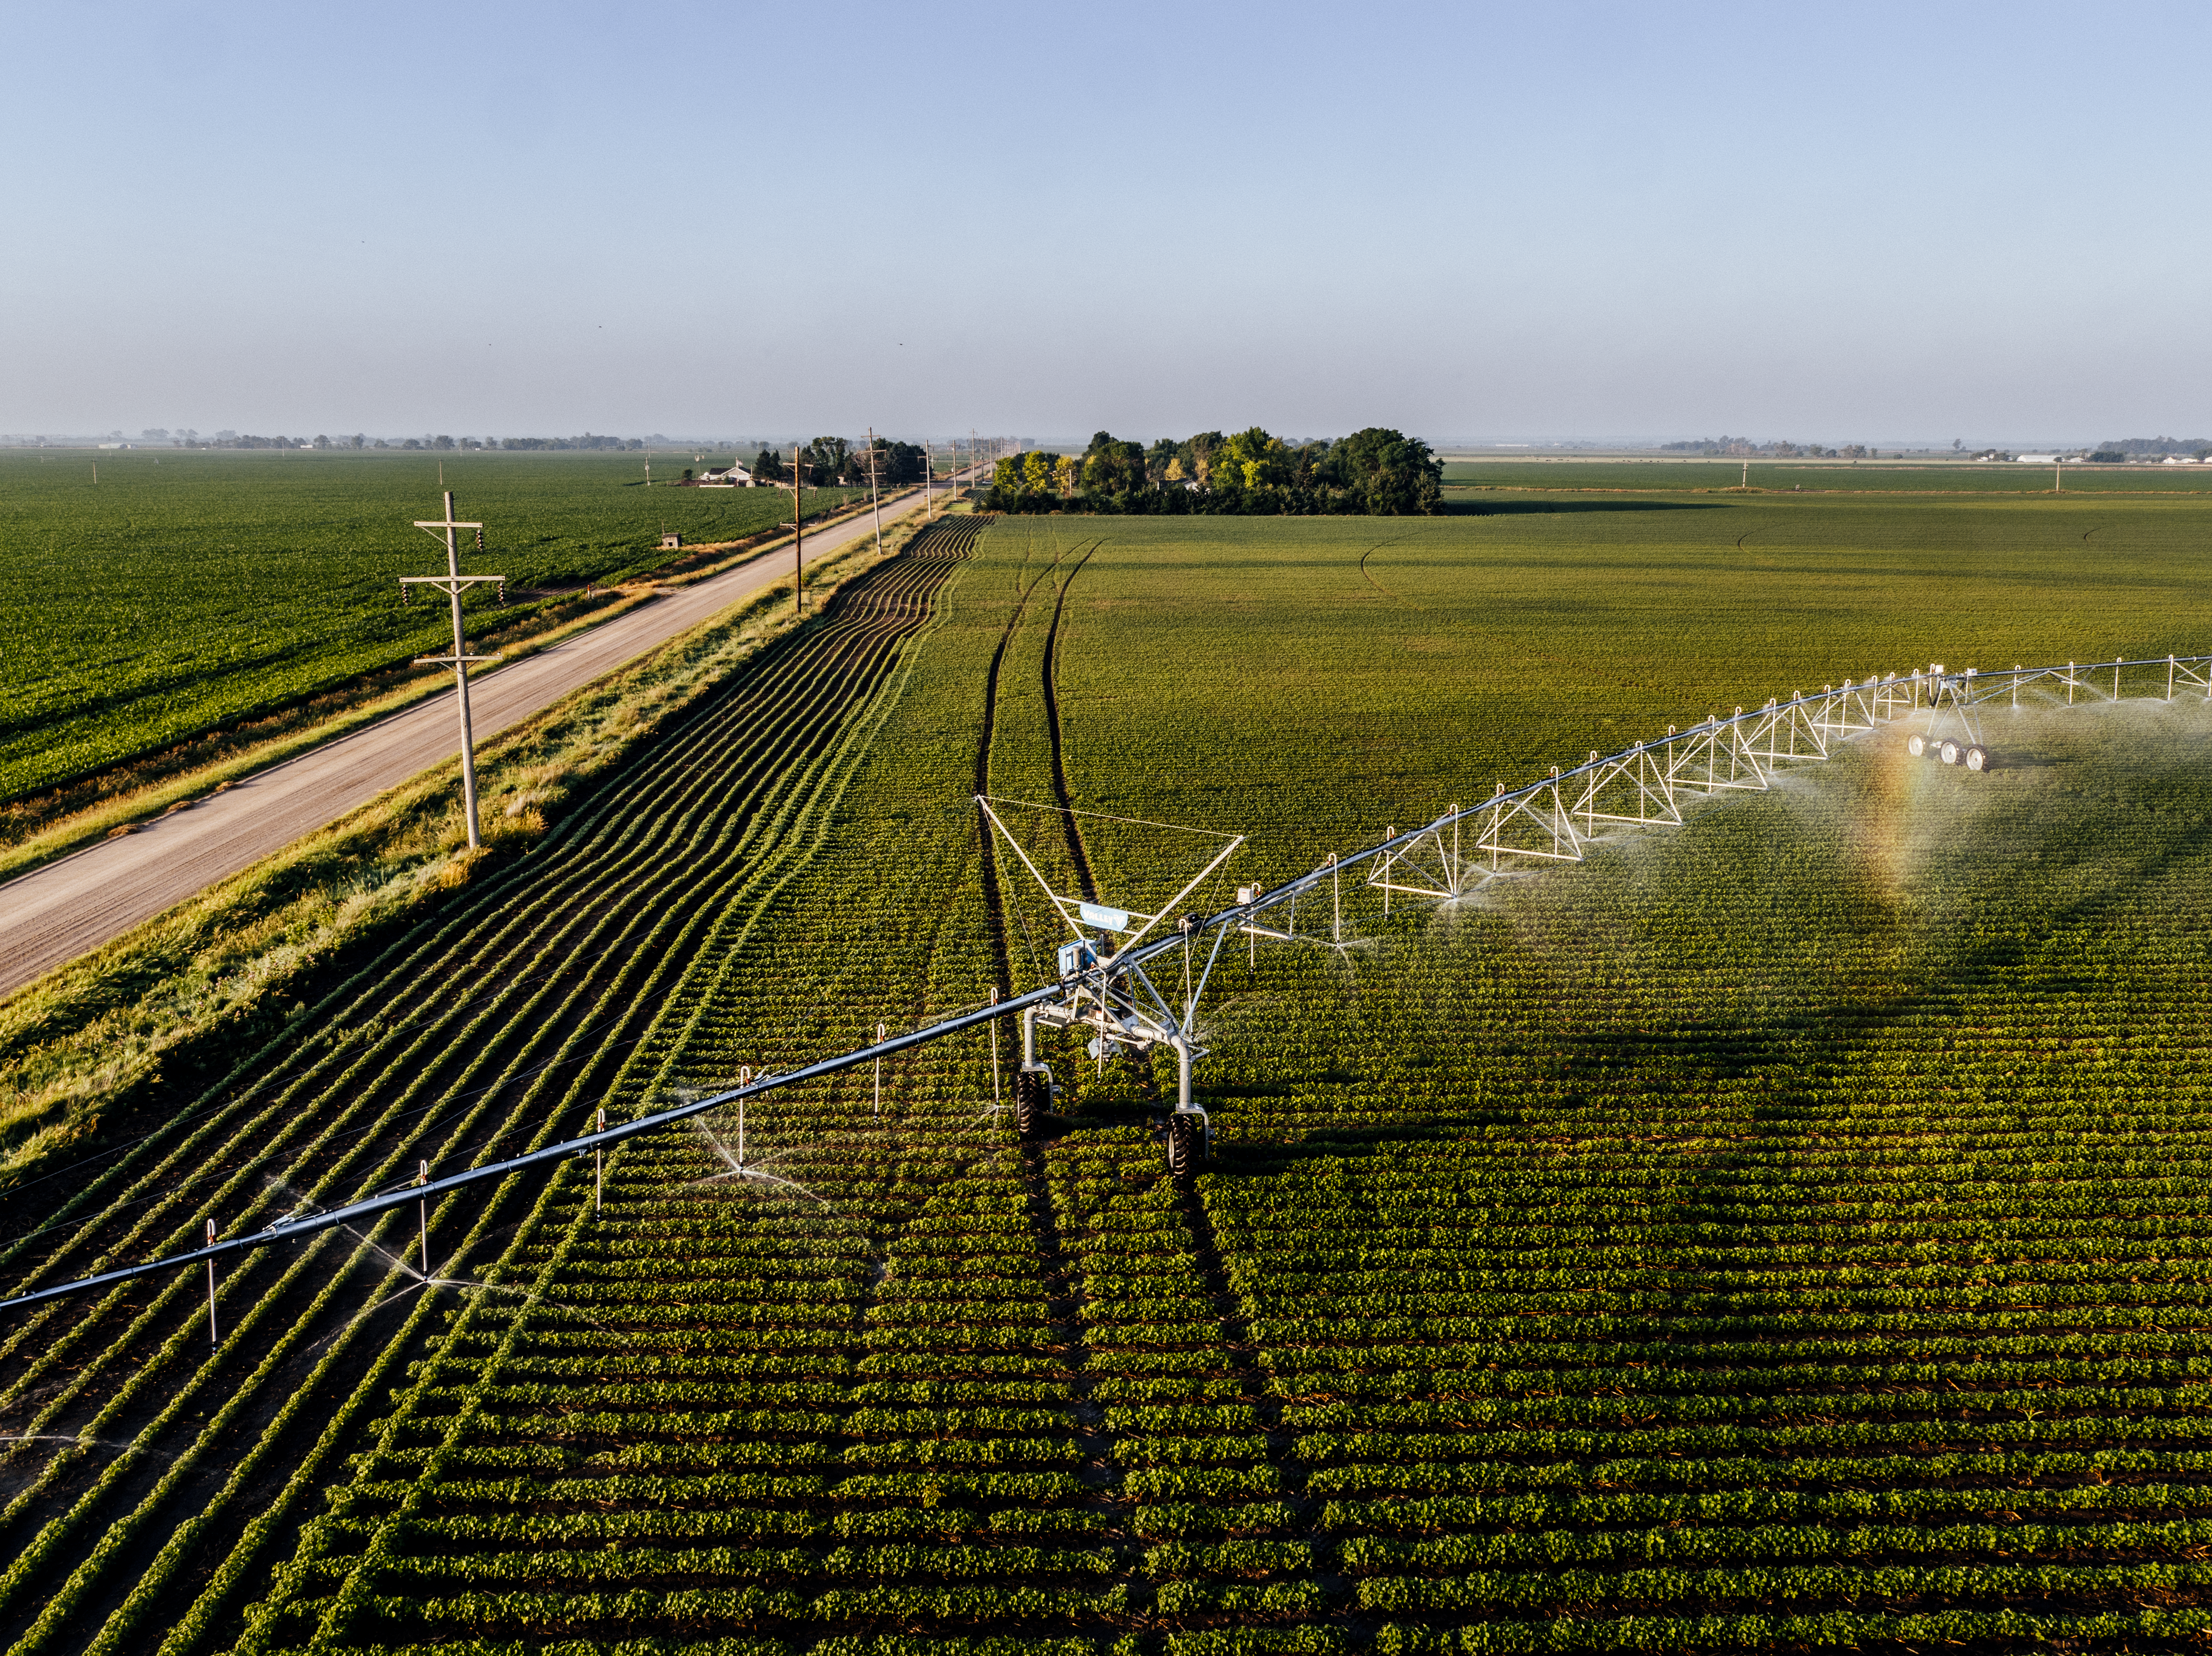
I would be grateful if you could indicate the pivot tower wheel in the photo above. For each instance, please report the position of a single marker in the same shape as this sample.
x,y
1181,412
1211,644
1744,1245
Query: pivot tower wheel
x,y
1951,751
1186,1144
1032,1097
1915,744
1977,758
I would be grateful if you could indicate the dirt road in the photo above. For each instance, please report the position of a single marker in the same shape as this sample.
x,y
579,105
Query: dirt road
x,y
67,908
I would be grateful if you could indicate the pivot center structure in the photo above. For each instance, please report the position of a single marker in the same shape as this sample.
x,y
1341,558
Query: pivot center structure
x,y
1103,987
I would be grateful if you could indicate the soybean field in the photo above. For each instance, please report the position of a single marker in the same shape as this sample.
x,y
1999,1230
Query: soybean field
x,y
1785,1230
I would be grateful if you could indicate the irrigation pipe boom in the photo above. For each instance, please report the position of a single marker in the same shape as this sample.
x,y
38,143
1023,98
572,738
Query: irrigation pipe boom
x,y
1547,820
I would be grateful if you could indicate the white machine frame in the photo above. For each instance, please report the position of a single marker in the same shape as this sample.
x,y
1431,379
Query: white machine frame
x,y
1105,991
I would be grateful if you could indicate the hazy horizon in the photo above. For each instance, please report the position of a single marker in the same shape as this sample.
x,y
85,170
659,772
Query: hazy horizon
x,y
1577,223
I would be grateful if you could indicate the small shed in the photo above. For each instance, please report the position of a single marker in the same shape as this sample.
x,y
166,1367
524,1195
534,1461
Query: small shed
x,y
670,541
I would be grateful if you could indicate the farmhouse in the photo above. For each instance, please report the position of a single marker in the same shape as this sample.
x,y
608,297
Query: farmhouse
x,y
730,477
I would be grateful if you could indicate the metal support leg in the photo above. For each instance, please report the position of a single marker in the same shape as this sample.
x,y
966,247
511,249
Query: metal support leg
x,y
1187,1132
212,1340
423,1217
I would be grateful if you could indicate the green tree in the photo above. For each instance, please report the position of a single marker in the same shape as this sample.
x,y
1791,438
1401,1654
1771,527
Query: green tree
x,y
1112,467
1386,473
1251,461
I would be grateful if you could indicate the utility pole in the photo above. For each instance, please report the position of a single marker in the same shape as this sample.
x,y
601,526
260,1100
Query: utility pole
x,y
928,482
797,528
452,584
875,500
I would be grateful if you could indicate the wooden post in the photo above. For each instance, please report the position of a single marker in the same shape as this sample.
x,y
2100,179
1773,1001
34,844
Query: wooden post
x,y
875,500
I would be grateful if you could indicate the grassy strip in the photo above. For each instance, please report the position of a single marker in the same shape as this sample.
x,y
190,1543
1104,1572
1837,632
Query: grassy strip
x,y
87,1052
51,825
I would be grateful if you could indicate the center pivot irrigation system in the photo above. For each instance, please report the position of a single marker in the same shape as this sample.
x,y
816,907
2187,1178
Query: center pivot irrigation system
x,y
1109,988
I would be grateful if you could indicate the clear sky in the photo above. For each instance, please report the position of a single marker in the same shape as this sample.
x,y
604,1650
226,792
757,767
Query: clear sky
x,y
1832,224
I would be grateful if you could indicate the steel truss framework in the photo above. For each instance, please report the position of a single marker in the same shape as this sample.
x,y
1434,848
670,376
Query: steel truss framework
x,y
1108,988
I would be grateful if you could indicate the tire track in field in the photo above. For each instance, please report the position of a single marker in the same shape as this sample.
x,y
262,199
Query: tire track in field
x,y
1237,1346
1068,825
995,908
1394,597
1062,1275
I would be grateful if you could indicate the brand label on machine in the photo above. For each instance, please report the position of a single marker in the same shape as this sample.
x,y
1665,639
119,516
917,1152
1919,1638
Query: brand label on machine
x,y
1113,919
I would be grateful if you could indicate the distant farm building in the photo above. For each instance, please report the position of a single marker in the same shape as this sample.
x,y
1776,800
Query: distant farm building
x,y
670,541
731,476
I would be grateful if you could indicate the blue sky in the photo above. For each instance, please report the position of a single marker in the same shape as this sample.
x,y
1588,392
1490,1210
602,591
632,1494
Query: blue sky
x,y
1835,224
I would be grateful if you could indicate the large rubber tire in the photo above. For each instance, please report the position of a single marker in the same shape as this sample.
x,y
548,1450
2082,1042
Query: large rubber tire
x,y
1915,744
1977,758
1185,1145
1950,753
1032,1097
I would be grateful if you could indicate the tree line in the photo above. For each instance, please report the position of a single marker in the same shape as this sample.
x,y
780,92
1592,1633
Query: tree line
x,y
1373,472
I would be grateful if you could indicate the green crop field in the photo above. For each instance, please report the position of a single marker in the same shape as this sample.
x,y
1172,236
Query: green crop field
x,y
1867,476
189,588
1790,1229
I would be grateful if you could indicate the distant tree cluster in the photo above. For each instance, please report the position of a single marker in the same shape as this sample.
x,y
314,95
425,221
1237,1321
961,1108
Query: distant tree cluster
x,y
1375,472
1780,449
587,440
833,461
